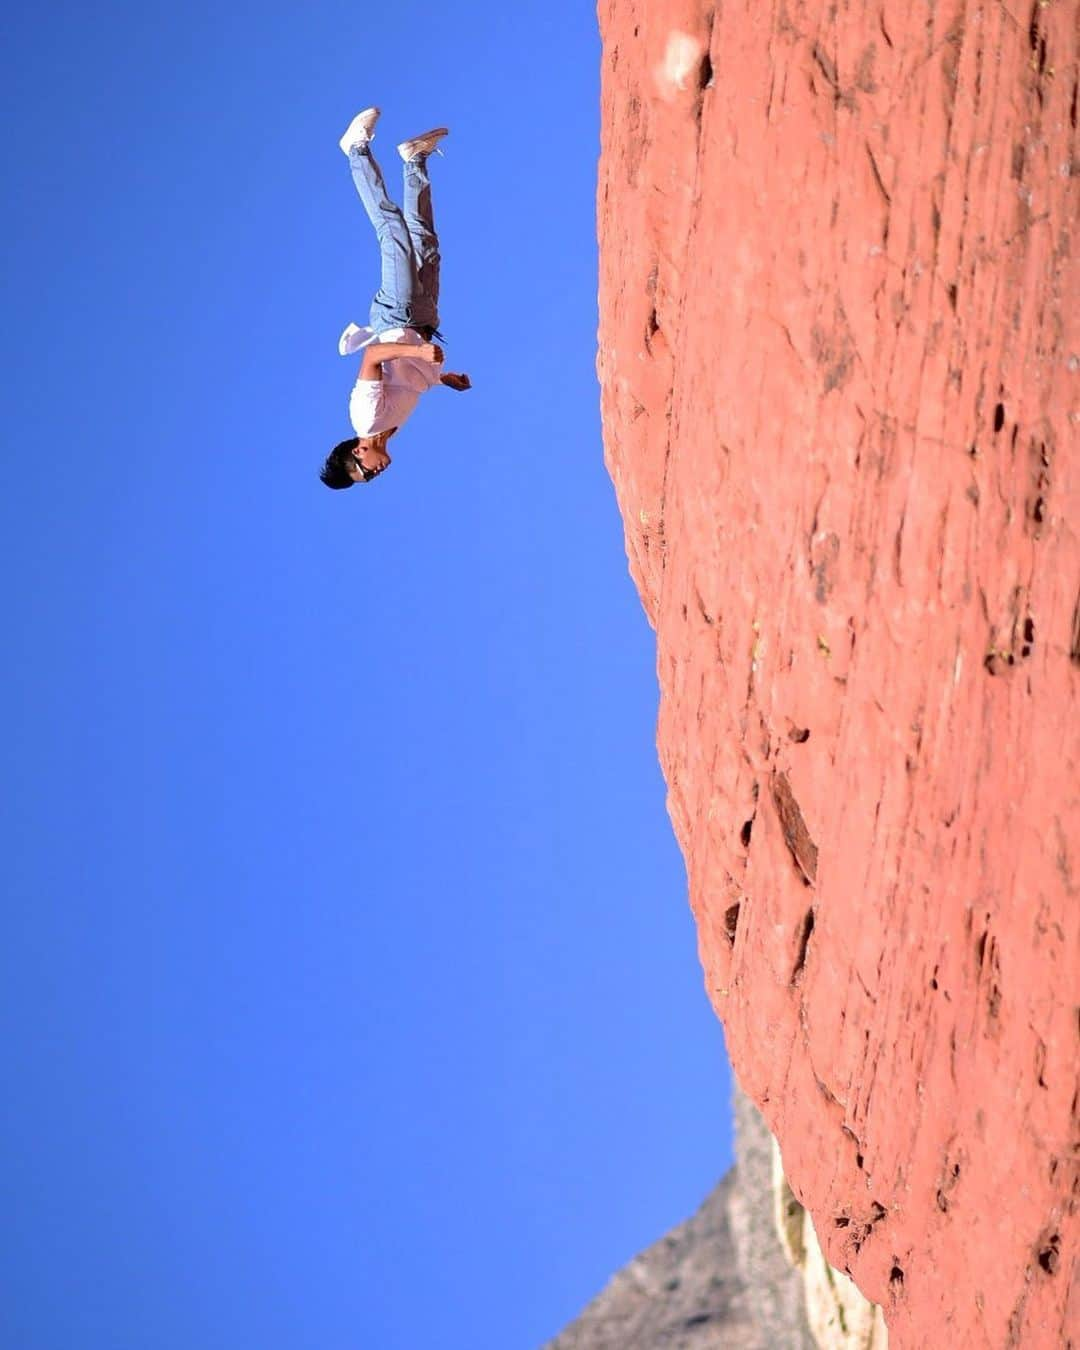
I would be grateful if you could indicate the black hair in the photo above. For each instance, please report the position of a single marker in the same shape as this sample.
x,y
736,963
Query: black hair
x,y
335,472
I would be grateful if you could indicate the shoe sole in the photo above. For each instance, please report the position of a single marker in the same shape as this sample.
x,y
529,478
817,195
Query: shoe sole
x,y
440,132
365,112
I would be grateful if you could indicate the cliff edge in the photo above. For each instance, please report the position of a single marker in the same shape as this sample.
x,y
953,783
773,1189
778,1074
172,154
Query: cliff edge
x,y
840,369
721,1279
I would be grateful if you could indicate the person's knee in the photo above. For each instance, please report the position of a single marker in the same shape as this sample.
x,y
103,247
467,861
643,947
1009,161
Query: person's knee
x,y
392,233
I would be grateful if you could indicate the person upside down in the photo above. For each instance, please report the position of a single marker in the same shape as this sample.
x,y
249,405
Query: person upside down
x,y
401,359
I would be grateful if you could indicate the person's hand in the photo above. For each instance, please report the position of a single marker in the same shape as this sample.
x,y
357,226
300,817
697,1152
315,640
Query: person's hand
x,y
432,352
458,382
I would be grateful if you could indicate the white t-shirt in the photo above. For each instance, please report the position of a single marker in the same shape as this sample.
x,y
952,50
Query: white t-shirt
x,y
378,405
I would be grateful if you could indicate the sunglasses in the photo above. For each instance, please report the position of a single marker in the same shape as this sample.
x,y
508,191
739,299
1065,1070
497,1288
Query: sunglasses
x,y
365,473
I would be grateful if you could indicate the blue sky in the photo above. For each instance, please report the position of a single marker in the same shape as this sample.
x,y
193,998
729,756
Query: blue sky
x,y
351,996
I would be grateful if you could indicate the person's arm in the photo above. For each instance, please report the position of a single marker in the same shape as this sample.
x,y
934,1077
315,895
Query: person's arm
x,y
458,382
380,352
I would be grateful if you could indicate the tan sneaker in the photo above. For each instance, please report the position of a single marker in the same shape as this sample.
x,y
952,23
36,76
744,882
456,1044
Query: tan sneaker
x,y
422,145
360,130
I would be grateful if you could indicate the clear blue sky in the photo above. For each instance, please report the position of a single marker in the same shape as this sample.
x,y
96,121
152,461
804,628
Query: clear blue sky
x,y
351,997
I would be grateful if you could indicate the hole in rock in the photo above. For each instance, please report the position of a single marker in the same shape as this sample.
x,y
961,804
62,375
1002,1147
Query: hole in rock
x,y
1051,1254
705,72
804,943
746,831
731,922
799,734
999,416
896,1278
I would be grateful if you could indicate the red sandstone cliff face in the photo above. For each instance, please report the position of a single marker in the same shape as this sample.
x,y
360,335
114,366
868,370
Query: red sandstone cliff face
x,y
841,393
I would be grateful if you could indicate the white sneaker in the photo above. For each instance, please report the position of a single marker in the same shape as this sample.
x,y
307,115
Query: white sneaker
x,y
422,145
346,345
360,130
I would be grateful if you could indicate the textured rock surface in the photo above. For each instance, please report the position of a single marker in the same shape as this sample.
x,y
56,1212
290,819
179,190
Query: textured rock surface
x,y
839,361
840,1317
682,1293
776,1291
720,1281
727,1279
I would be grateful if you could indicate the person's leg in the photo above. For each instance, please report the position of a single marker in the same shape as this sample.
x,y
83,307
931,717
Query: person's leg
x,y
392,306
421,225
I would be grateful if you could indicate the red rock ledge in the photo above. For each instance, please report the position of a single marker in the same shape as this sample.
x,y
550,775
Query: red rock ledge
x,y
841,397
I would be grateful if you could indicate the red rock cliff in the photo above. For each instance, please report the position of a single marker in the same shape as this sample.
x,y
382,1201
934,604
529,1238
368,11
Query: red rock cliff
x,y
839,358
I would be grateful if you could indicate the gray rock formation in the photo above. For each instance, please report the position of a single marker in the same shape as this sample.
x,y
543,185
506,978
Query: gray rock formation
x,y
776,1288
684,1292
719,1281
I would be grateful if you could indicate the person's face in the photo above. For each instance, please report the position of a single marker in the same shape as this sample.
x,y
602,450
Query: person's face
x,y
370,457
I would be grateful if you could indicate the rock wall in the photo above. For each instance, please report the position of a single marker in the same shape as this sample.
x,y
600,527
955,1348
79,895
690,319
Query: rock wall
x,y
840,1318
719,1281
745,1272
682,1293
777,1292
840,361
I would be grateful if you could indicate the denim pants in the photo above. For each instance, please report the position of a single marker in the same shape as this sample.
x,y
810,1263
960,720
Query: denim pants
x,y
408,296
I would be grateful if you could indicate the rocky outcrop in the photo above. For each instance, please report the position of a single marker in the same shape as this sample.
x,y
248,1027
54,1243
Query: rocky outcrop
x,y
719,1280
840,373
776,1291
744,1273
682,1293
840,1318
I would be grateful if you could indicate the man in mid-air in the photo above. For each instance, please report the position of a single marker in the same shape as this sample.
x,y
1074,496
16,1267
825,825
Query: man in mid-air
x,y
401,360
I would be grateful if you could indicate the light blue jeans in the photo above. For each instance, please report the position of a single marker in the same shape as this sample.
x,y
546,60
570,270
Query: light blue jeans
x,y
408,296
